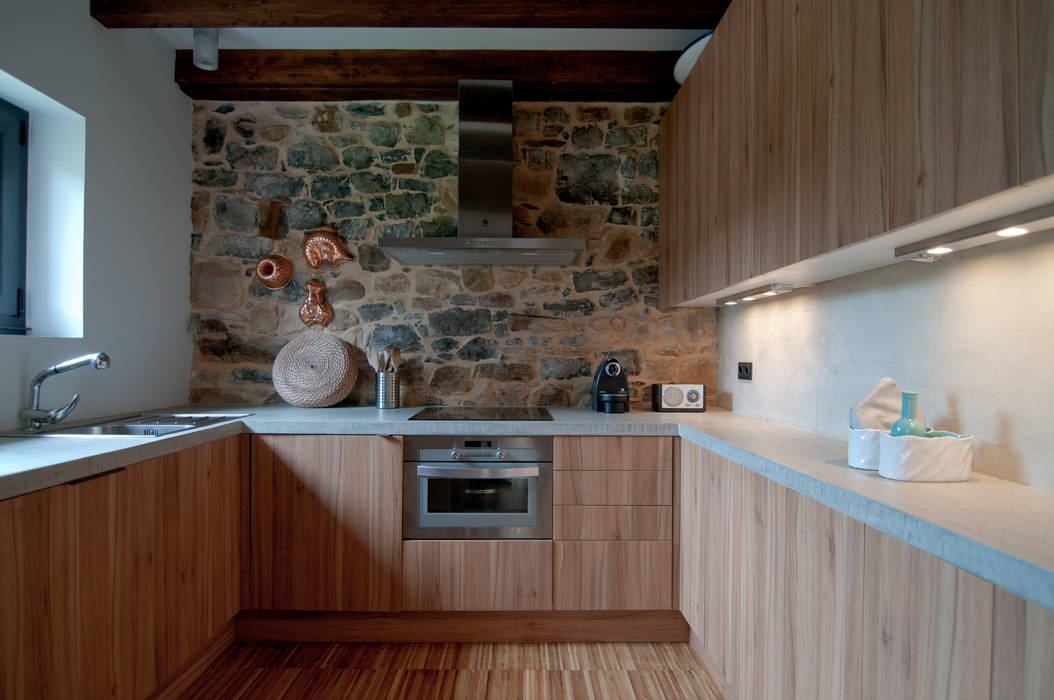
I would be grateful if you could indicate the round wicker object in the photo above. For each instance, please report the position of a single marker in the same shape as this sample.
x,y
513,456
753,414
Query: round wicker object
x,y
314,370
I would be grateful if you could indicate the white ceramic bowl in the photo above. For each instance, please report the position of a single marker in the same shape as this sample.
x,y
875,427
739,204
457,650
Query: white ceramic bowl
x,y
911,458
864,448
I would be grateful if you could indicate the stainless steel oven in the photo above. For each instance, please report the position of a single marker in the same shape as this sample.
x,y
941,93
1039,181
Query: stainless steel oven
x,y
477,487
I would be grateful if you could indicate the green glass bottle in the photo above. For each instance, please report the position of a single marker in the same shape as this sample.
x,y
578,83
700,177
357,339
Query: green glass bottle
x,y
909,424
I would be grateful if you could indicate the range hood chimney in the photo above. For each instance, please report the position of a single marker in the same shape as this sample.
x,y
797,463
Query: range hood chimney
x,y
485,160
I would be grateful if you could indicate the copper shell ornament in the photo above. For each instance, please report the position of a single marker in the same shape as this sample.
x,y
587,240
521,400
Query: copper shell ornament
x,y
274,271
315,309
325,244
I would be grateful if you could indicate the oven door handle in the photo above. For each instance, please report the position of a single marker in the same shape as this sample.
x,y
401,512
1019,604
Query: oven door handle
x,y
476,472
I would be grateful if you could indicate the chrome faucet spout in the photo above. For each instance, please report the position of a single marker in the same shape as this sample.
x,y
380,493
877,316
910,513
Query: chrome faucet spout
x,y
35,416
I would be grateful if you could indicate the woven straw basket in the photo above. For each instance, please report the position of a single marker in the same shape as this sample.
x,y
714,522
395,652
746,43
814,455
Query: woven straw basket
x,y
314,370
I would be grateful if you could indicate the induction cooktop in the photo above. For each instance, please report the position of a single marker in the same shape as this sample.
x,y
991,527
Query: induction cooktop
x,y
482,413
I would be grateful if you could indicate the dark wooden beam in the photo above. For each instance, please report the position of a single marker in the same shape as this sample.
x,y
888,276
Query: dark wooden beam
x,y
587,76
603,14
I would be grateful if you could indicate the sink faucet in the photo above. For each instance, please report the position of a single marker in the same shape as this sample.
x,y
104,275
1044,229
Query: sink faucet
x,y
36,416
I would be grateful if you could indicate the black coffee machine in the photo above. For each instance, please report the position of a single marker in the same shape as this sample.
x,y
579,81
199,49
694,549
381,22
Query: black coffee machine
x,y
610,388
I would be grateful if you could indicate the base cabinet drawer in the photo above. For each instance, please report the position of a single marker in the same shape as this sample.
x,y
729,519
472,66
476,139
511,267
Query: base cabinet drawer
x,y
477,575
613,575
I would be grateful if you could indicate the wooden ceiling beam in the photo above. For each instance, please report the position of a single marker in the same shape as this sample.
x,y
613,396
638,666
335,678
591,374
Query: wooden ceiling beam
x,y
580,14
586,76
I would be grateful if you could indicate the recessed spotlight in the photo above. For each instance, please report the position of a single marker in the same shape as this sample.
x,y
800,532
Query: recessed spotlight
x,y
939,250
730,303
1012,232
749,298
770,294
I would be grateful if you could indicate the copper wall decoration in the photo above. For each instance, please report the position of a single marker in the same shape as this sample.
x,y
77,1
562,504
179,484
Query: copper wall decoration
x,y
274,271
324,243
315,309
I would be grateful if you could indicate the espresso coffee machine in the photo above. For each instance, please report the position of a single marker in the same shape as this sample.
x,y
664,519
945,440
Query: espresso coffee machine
x,y
610,388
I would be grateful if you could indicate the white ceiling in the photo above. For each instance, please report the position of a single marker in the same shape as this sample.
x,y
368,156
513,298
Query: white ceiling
x,y
410,38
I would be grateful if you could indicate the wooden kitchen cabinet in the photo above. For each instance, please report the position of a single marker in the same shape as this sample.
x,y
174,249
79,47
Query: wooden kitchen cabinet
x,y
1035,41
613,523
477,575
833,122
841,127
952,103
120,579
326,522
787,598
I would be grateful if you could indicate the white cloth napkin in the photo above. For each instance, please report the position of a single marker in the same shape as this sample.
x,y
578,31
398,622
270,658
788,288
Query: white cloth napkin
x,y
880,409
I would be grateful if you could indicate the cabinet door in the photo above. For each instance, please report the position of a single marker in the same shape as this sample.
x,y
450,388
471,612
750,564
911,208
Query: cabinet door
x,y
477,575
927,626
841,125
735,113
35,637
775,96
953,107
613,575
326,522
1035,20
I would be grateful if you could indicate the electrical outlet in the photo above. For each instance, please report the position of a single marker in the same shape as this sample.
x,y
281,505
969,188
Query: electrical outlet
x,y
746,371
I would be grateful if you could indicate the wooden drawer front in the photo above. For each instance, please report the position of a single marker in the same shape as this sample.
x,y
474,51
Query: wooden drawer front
x,y
573,453
613,575
653,488
612,523
477,575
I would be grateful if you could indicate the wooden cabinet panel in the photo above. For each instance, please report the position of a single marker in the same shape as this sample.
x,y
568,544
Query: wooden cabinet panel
x,y
735,113
1022,649
612,575
327,522
612,523
773,188
1036,50
156,556
477,575
621,488
953,105
119,579
36,645
841,125
927,625
770,583
600,453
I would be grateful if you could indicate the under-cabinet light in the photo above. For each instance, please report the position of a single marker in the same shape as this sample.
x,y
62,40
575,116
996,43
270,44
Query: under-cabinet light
x,y
1010,226
769,290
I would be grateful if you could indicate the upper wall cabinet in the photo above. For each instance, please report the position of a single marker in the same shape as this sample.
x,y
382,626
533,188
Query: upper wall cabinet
x,y
1036,70
953,113
806,127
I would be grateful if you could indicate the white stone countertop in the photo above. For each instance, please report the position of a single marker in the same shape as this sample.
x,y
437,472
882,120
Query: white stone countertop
x,y
998,530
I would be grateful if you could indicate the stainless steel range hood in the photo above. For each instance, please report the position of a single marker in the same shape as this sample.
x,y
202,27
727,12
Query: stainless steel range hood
x,y
485,160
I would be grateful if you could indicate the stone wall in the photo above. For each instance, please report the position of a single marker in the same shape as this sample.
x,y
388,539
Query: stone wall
x,y
483,335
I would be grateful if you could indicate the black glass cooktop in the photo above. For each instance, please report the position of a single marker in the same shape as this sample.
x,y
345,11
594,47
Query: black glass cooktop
x,y
482,413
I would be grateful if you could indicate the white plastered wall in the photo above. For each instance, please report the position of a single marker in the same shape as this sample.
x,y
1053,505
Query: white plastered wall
x,y
136,210
973,333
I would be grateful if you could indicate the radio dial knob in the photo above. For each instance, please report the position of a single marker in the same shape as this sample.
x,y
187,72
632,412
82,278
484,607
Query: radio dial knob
x,y
500,455
455,454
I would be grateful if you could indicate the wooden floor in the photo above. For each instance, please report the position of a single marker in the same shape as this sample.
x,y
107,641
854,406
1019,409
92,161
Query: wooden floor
x,y
505,671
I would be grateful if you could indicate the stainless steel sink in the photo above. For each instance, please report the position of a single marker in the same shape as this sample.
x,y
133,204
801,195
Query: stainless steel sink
x,y
139,425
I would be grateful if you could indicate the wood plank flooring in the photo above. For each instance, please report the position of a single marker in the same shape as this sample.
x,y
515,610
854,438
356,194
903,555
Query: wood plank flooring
x,y
417,671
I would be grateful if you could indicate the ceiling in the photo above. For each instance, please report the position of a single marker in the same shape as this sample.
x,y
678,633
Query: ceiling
x,y
588,50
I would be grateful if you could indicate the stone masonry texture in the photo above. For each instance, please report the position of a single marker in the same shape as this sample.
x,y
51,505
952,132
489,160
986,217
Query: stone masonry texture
x,y
267,173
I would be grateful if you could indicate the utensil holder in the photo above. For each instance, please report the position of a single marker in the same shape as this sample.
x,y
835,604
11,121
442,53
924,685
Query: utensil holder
x,y
387,390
